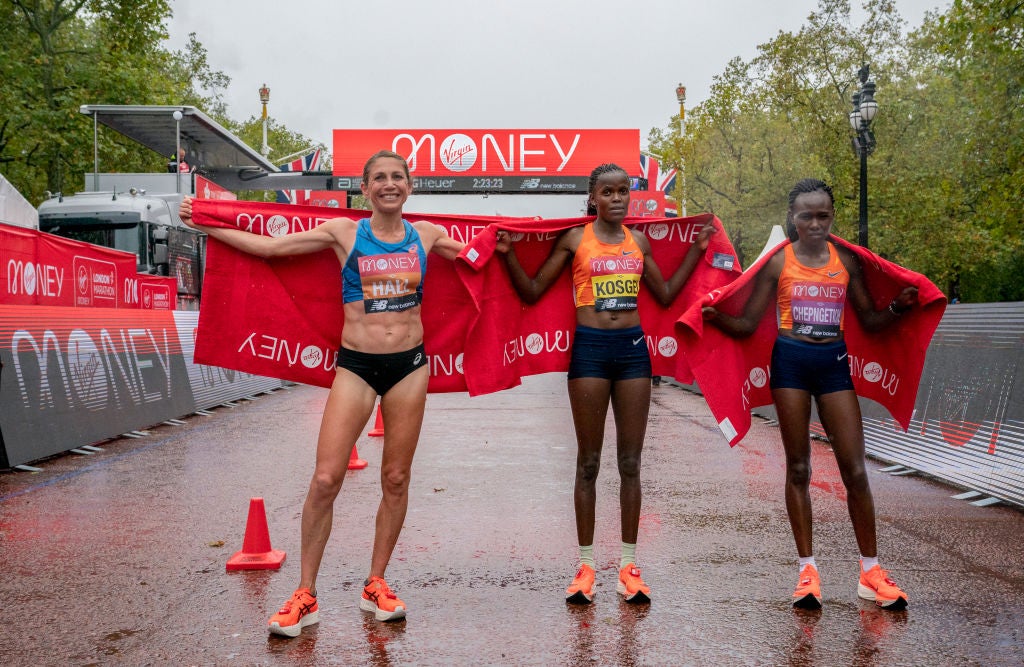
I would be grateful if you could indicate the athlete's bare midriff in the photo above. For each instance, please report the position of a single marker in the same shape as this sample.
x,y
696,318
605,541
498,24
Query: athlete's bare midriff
x,y
587,316
381,333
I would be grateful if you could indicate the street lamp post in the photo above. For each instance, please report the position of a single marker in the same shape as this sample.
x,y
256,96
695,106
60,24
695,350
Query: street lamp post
x,y
177,148
681,97
264,98
864,108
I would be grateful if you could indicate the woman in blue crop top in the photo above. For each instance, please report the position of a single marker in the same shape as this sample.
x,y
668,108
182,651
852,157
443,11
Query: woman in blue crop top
x,y
383,261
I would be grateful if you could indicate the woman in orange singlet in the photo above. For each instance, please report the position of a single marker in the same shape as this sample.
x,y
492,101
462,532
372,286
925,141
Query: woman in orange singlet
x,y
811,281
610,361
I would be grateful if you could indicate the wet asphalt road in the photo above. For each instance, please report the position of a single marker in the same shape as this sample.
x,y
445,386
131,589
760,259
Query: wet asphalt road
x,y
113,559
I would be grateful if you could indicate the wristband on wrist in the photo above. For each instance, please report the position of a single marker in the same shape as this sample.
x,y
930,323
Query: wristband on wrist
x,y
892,309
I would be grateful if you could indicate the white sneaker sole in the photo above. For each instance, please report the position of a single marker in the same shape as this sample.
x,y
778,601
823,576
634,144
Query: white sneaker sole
x,y
868,594
380,614
294,630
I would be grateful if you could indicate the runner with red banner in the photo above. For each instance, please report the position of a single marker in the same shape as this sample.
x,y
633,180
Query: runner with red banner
x,y
886,365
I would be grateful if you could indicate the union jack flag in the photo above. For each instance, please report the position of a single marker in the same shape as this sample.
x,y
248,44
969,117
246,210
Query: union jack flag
x,y
649,170
308,162
656,178
667,181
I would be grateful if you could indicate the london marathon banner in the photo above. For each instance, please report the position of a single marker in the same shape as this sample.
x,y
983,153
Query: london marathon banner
x,y
41,269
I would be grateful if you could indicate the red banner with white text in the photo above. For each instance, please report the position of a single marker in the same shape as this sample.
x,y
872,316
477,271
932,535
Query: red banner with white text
x,y
490,153
41,269
283,317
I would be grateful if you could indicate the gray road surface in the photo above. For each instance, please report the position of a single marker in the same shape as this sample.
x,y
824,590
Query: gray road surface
x,y
112,559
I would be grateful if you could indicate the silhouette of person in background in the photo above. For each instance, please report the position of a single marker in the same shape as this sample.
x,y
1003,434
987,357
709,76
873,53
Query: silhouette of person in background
x,y
179,165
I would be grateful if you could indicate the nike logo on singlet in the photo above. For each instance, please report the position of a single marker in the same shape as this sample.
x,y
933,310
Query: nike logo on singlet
x,y
637,341
842,356
627,252
833,274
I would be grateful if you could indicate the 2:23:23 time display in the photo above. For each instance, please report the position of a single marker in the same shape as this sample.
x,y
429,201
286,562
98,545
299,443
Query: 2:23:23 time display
x,y
487,183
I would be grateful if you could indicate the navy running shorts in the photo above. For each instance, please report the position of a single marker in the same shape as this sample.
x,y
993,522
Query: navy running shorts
x,y
610,354
818,368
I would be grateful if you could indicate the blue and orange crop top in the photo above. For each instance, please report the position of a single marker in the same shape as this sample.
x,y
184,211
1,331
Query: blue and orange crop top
x,y
386,277
810,300
606,276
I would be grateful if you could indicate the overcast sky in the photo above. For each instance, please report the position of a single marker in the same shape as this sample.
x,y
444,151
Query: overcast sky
x,y
481,64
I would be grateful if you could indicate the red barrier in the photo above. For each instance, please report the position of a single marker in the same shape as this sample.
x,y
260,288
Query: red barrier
x,y
41,269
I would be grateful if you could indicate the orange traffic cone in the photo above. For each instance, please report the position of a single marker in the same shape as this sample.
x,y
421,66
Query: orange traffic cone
x,y
256,553
354,462
378,427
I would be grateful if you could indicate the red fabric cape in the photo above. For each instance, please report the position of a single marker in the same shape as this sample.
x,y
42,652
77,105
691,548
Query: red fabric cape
x,y
886,366
511,339
283,318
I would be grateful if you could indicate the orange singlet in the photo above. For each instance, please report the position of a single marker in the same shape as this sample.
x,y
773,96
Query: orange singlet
x,y
606,276
810,301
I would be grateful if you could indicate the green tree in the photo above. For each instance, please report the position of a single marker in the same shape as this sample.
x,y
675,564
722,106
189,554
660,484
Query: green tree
x,y
967,87
945,181
56,55
778,118
66,52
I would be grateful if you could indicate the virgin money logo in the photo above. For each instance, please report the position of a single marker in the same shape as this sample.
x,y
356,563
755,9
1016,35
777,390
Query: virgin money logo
x,y
667,346
83,280
651,205
872,372
312,356
534,343
458,152
147,299
657,231
758,377
277,226
516,237
29,279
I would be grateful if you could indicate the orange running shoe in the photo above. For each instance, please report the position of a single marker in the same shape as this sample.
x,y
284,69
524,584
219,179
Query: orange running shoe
x,y
808,590
581,590
299,611
632,587
381,600
876,585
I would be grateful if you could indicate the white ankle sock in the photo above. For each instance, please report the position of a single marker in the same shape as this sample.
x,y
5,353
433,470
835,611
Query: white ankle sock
x,y
628,555
587,556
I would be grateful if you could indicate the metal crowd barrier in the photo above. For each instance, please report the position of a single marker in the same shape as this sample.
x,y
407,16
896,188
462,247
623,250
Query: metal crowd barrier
x,y
71,377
